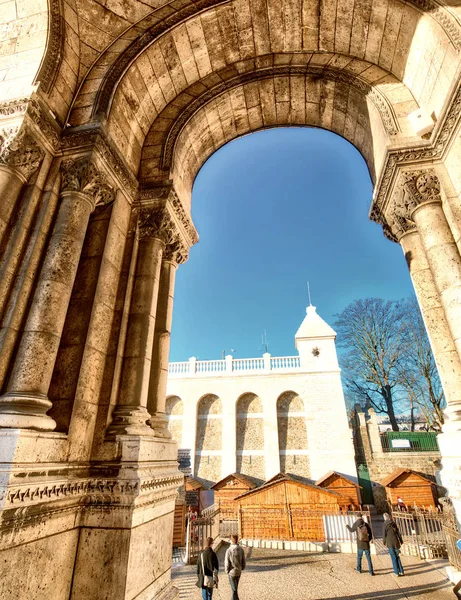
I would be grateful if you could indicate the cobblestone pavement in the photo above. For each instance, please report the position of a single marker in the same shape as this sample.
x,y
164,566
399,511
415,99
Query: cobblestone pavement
x,y
285,575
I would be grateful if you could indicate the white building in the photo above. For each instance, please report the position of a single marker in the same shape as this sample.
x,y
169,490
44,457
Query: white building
x,y
260,416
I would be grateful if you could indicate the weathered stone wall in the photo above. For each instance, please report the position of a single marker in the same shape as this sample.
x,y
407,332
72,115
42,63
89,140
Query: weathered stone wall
x,y
174,410
250,436
209,440
293,443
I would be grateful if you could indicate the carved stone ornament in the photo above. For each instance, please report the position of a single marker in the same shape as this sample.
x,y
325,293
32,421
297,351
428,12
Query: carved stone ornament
x,y
421,187
176,253
154,222
19,151
81,175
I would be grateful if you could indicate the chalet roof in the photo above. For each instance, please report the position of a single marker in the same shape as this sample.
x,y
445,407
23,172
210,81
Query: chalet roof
x,y
245,479
330,474
314,326
194,484
398,472
281,477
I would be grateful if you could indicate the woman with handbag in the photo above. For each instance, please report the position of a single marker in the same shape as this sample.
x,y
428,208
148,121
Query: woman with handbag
x,y
207,570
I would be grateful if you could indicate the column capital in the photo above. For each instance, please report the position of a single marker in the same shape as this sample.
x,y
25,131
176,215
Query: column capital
x,y
420,187
155,222
20,152
81,175
176,253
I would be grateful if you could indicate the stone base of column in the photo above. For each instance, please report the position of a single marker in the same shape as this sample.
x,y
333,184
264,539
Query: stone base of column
x,y
130,420
25,411
97,530
159,424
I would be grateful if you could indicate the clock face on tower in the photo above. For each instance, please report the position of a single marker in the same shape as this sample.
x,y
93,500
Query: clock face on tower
x,y
316,351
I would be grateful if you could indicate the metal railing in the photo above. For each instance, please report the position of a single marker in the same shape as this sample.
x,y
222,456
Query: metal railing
x,y
409,441
198,530
234,366
429,534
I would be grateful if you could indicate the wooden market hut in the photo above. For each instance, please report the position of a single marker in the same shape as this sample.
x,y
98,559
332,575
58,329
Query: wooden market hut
x,y
227,490
349,491
286,508
193,489
414,488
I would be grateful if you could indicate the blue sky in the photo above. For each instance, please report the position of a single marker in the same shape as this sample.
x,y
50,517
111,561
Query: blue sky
x,y
275,209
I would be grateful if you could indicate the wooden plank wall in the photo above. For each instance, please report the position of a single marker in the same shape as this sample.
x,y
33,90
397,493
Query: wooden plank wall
x,y
179,526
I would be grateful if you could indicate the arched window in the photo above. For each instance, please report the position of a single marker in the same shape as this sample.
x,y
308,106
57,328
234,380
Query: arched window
x,y
208,453
291,420
250,437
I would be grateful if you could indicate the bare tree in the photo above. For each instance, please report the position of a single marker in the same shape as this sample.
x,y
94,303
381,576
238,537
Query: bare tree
x,y
419,375
372,333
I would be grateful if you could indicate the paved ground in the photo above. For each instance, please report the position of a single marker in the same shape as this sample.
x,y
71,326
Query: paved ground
x,y
278,575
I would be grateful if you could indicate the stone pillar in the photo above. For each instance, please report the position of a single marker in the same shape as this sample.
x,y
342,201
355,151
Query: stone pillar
x,y
161,347
25,403
419,221
131,415
20,157
445,354
271,437
229,436
424,203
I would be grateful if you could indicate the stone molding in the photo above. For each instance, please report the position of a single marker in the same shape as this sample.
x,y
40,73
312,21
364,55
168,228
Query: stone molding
x,y
81,175
449,23
379,100
13,108
54,47
20,151
425,152
42,121
91,489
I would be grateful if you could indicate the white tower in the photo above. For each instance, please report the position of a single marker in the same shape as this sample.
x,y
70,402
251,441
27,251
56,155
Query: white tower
x,y
315,343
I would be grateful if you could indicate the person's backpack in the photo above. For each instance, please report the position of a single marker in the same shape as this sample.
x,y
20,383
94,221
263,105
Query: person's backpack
x,y
362,532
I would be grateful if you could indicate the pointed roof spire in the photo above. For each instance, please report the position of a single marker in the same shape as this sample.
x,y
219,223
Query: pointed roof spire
x,y
314,326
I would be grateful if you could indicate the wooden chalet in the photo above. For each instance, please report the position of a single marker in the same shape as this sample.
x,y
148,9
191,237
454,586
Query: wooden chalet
x,y
227,490
193,488
286,508
413,488
349,491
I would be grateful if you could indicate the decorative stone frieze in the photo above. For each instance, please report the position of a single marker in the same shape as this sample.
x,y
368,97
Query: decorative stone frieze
x,y
20,151
81,175
176,253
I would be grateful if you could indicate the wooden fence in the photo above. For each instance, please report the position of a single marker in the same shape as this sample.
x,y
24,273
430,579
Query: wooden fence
x,y
296,524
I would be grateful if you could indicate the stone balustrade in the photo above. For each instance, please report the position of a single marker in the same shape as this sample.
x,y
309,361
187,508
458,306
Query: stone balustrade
x,y
236,366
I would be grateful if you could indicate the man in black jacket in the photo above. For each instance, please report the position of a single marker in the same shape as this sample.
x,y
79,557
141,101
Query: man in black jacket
x,y
207,567
364,537
393,540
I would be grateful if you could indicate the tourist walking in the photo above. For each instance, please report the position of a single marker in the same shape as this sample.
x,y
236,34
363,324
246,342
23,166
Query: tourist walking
x,y
207,570
234,563
364,538
392,539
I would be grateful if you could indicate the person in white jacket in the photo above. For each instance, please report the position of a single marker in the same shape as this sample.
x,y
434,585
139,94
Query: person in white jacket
x,y
234,563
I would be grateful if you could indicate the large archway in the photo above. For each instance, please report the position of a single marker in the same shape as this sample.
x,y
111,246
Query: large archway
x,y
128,104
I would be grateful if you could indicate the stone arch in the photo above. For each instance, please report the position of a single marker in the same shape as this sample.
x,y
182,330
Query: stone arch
x,y
250,436
208,445
292,432
174,410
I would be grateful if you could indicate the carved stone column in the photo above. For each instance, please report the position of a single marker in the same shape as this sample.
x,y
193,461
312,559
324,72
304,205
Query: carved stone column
x,y
424,203
25,403
174,254
20,157
131,415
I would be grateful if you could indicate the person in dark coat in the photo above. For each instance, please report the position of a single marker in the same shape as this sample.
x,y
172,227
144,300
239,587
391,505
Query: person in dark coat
x,y
392,539
364,538
207,564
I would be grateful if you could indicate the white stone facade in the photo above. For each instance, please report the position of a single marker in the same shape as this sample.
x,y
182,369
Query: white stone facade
x,y
264,415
